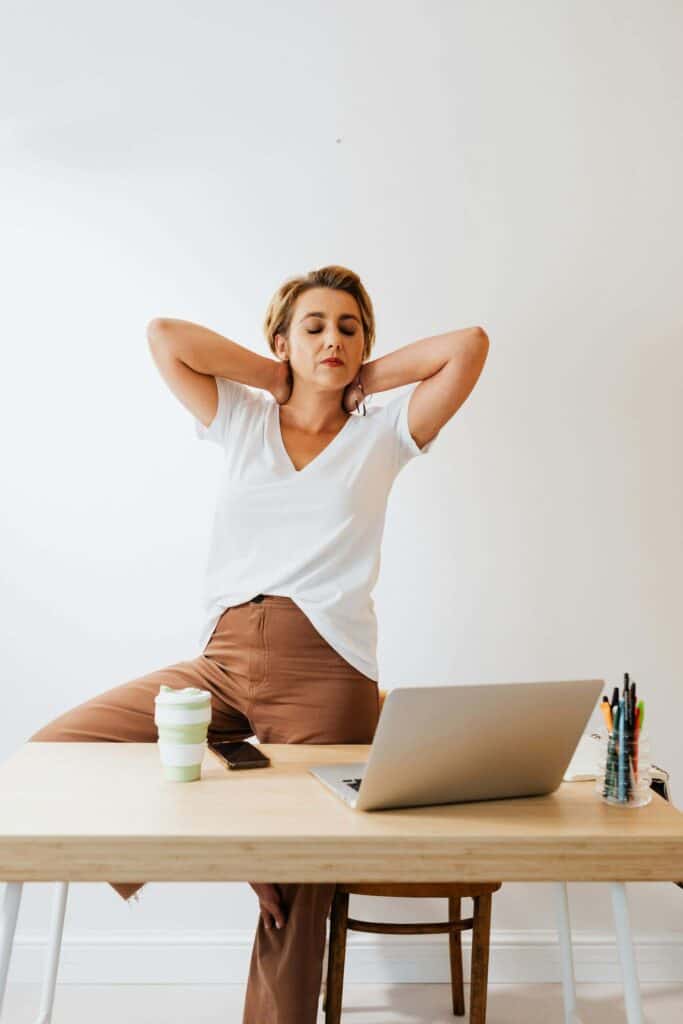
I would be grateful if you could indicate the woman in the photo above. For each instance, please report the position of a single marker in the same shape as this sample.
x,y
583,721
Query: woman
x,y
289,638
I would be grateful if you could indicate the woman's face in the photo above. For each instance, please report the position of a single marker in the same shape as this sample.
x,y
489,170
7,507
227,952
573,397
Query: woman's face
x,y
326,323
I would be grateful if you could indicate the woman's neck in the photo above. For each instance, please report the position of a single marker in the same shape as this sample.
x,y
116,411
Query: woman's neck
x,y
314,412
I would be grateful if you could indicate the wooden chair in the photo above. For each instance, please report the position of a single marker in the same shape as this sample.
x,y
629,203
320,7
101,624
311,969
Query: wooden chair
x,y
479,923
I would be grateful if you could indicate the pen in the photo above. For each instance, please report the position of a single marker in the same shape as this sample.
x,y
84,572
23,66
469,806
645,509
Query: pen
x,y
631,777
621,762
610,784
628,746
615,759
637,737
640,711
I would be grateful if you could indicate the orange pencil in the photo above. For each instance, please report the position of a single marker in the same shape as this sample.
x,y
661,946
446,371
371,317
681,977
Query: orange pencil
x,y
607,713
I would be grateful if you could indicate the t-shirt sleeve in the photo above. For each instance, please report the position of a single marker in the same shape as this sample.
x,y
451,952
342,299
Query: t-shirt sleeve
x,y
396,412
232,397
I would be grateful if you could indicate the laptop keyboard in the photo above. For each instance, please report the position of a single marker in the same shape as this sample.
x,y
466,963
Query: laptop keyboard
x,y
353,783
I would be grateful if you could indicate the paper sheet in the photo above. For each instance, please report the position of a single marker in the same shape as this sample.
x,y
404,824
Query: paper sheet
x,y
584,763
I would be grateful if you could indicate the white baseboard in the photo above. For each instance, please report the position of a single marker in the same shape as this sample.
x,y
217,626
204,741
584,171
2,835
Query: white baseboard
x,y
222,957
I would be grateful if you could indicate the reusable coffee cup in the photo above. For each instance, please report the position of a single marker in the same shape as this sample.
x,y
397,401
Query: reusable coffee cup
x,y
182,718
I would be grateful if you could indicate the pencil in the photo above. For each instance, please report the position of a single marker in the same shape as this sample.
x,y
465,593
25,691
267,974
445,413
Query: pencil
x,y
607,713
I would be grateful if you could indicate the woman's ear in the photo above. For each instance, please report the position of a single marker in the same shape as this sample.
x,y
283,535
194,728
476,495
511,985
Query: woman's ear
x,y
280,343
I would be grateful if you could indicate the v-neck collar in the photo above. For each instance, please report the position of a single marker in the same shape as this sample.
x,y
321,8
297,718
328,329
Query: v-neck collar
x,y
280,444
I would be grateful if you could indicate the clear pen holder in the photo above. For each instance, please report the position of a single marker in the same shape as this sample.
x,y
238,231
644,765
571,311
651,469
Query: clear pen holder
x,y
632,789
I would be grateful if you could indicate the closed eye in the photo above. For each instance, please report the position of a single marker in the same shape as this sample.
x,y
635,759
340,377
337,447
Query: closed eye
x,y
349,333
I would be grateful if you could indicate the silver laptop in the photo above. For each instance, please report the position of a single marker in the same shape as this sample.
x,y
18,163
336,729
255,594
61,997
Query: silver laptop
x,y
452,744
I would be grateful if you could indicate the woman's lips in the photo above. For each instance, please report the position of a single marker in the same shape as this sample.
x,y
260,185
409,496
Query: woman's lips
x,y
332,362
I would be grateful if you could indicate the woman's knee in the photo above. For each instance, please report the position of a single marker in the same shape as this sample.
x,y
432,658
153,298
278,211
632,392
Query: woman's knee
x,y
76,725
122,713
53,732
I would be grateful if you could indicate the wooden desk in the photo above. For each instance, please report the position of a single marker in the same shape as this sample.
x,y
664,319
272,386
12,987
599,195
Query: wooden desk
x,y
102,811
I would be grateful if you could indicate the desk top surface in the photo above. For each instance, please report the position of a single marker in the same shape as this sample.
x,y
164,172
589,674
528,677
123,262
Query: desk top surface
x,y
102,811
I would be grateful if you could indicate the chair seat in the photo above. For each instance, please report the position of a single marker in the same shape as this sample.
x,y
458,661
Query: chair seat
x,y
419,889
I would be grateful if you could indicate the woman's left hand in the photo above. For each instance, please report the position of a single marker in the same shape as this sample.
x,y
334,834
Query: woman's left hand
x,y
352,395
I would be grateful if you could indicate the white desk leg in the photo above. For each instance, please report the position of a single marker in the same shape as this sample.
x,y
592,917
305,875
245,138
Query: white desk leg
x,y
634,1013
8,924
564,933
53,950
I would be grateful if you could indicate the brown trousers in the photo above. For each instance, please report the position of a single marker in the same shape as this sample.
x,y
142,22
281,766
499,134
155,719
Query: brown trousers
x,y
273,676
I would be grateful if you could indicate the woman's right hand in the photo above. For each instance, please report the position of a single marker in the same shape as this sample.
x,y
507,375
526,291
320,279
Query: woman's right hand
x,y
270,903
282,382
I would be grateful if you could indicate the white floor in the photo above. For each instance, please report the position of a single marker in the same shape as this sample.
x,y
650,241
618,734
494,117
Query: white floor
x,y
363,1004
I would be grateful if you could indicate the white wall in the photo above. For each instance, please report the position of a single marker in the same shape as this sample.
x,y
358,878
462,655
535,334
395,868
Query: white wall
x,y
513,165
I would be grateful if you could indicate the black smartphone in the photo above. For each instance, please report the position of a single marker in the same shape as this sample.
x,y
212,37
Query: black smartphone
x,y
240,754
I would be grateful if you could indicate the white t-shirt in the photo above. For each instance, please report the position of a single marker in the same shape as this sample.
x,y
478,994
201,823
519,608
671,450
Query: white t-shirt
x,y
314,534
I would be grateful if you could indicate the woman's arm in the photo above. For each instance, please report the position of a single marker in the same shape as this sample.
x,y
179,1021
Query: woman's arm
x,y
207,352
419,360
448,365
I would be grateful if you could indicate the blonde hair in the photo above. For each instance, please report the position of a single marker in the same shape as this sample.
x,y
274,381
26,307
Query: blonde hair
x,y
279,314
